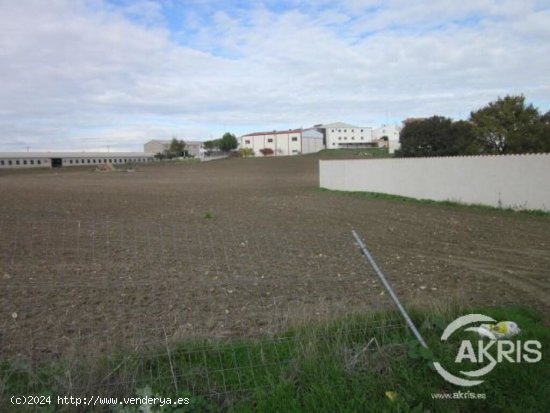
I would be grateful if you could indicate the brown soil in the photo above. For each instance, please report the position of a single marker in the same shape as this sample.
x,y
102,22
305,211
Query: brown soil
x,y
235,247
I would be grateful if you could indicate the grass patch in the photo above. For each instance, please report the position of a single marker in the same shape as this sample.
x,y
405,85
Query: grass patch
x,y
352,153
450,204
358,363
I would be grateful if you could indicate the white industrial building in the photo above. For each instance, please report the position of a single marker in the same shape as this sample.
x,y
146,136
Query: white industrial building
x,y
387,135
337,135
284,143
340,135
9,160
193,148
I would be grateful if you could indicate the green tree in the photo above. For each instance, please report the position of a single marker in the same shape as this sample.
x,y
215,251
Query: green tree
x,y
508,125
228,142
160,156
437,136
176,149
212,144
545,144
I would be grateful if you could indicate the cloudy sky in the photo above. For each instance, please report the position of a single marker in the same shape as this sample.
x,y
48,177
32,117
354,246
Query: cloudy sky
x,y
88,74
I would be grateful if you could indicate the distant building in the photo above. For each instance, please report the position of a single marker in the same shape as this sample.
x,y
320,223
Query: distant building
x,y
15,160
156,146
340,135
193,148
387,136
284,143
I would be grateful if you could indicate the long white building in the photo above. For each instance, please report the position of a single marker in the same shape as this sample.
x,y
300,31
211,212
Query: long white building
x,y
283,143
10,160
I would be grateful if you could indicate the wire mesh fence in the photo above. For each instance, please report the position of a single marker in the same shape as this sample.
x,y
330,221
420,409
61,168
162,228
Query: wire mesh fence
x,y
74,290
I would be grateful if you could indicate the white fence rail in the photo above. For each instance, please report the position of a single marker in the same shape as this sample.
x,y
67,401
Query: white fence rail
x,y
515,181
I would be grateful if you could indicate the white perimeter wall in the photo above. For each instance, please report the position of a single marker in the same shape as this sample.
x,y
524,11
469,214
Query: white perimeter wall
x,y
517,181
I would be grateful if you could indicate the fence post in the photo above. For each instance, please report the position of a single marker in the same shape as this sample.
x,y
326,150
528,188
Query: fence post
x,y
382,277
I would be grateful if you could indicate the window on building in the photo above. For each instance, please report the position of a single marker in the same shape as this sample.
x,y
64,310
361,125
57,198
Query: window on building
x,y
83,161
93,160
1,162
120,161
104,160
17,162
345,130
332,130
70,161
9,162
270,140
339,138
247,142
294,139
333,144
25,162
361,130
339,130
353,138
38,162
32,162
345,138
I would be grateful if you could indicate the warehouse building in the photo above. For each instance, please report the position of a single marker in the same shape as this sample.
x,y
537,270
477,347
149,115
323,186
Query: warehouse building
x,y
283,143
10,160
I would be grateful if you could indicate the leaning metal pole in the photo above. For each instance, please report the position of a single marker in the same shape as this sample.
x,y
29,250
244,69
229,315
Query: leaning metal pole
x,y
382,277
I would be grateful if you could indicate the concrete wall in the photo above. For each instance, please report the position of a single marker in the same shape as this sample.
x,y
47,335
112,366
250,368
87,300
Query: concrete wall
x,y
517,181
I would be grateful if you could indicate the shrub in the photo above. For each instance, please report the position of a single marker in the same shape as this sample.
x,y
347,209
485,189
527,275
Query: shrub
x,y
266,151
246,152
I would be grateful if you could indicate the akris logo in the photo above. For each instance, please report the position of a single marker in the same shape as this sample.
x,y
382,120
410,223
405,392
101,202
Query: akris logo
x,y
481,352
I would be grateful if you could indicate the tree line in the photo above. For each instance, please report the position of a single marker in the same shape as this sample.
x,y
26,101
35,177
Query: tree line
x,y
226,143
505,126
177,147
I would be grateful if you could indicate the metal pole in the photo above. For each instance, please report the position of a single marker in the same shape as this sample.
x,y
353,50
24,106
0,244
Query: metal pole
x,y
382,277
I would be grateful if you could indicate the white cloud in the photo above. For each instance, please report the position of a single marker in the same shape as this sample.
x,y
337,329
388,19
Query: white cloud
x,y
77,73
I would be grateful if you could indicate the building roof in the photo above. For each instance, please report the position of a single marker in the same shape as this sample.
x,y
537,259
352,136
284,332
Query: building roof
x,y
274,132
44,155
340,125
162,141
